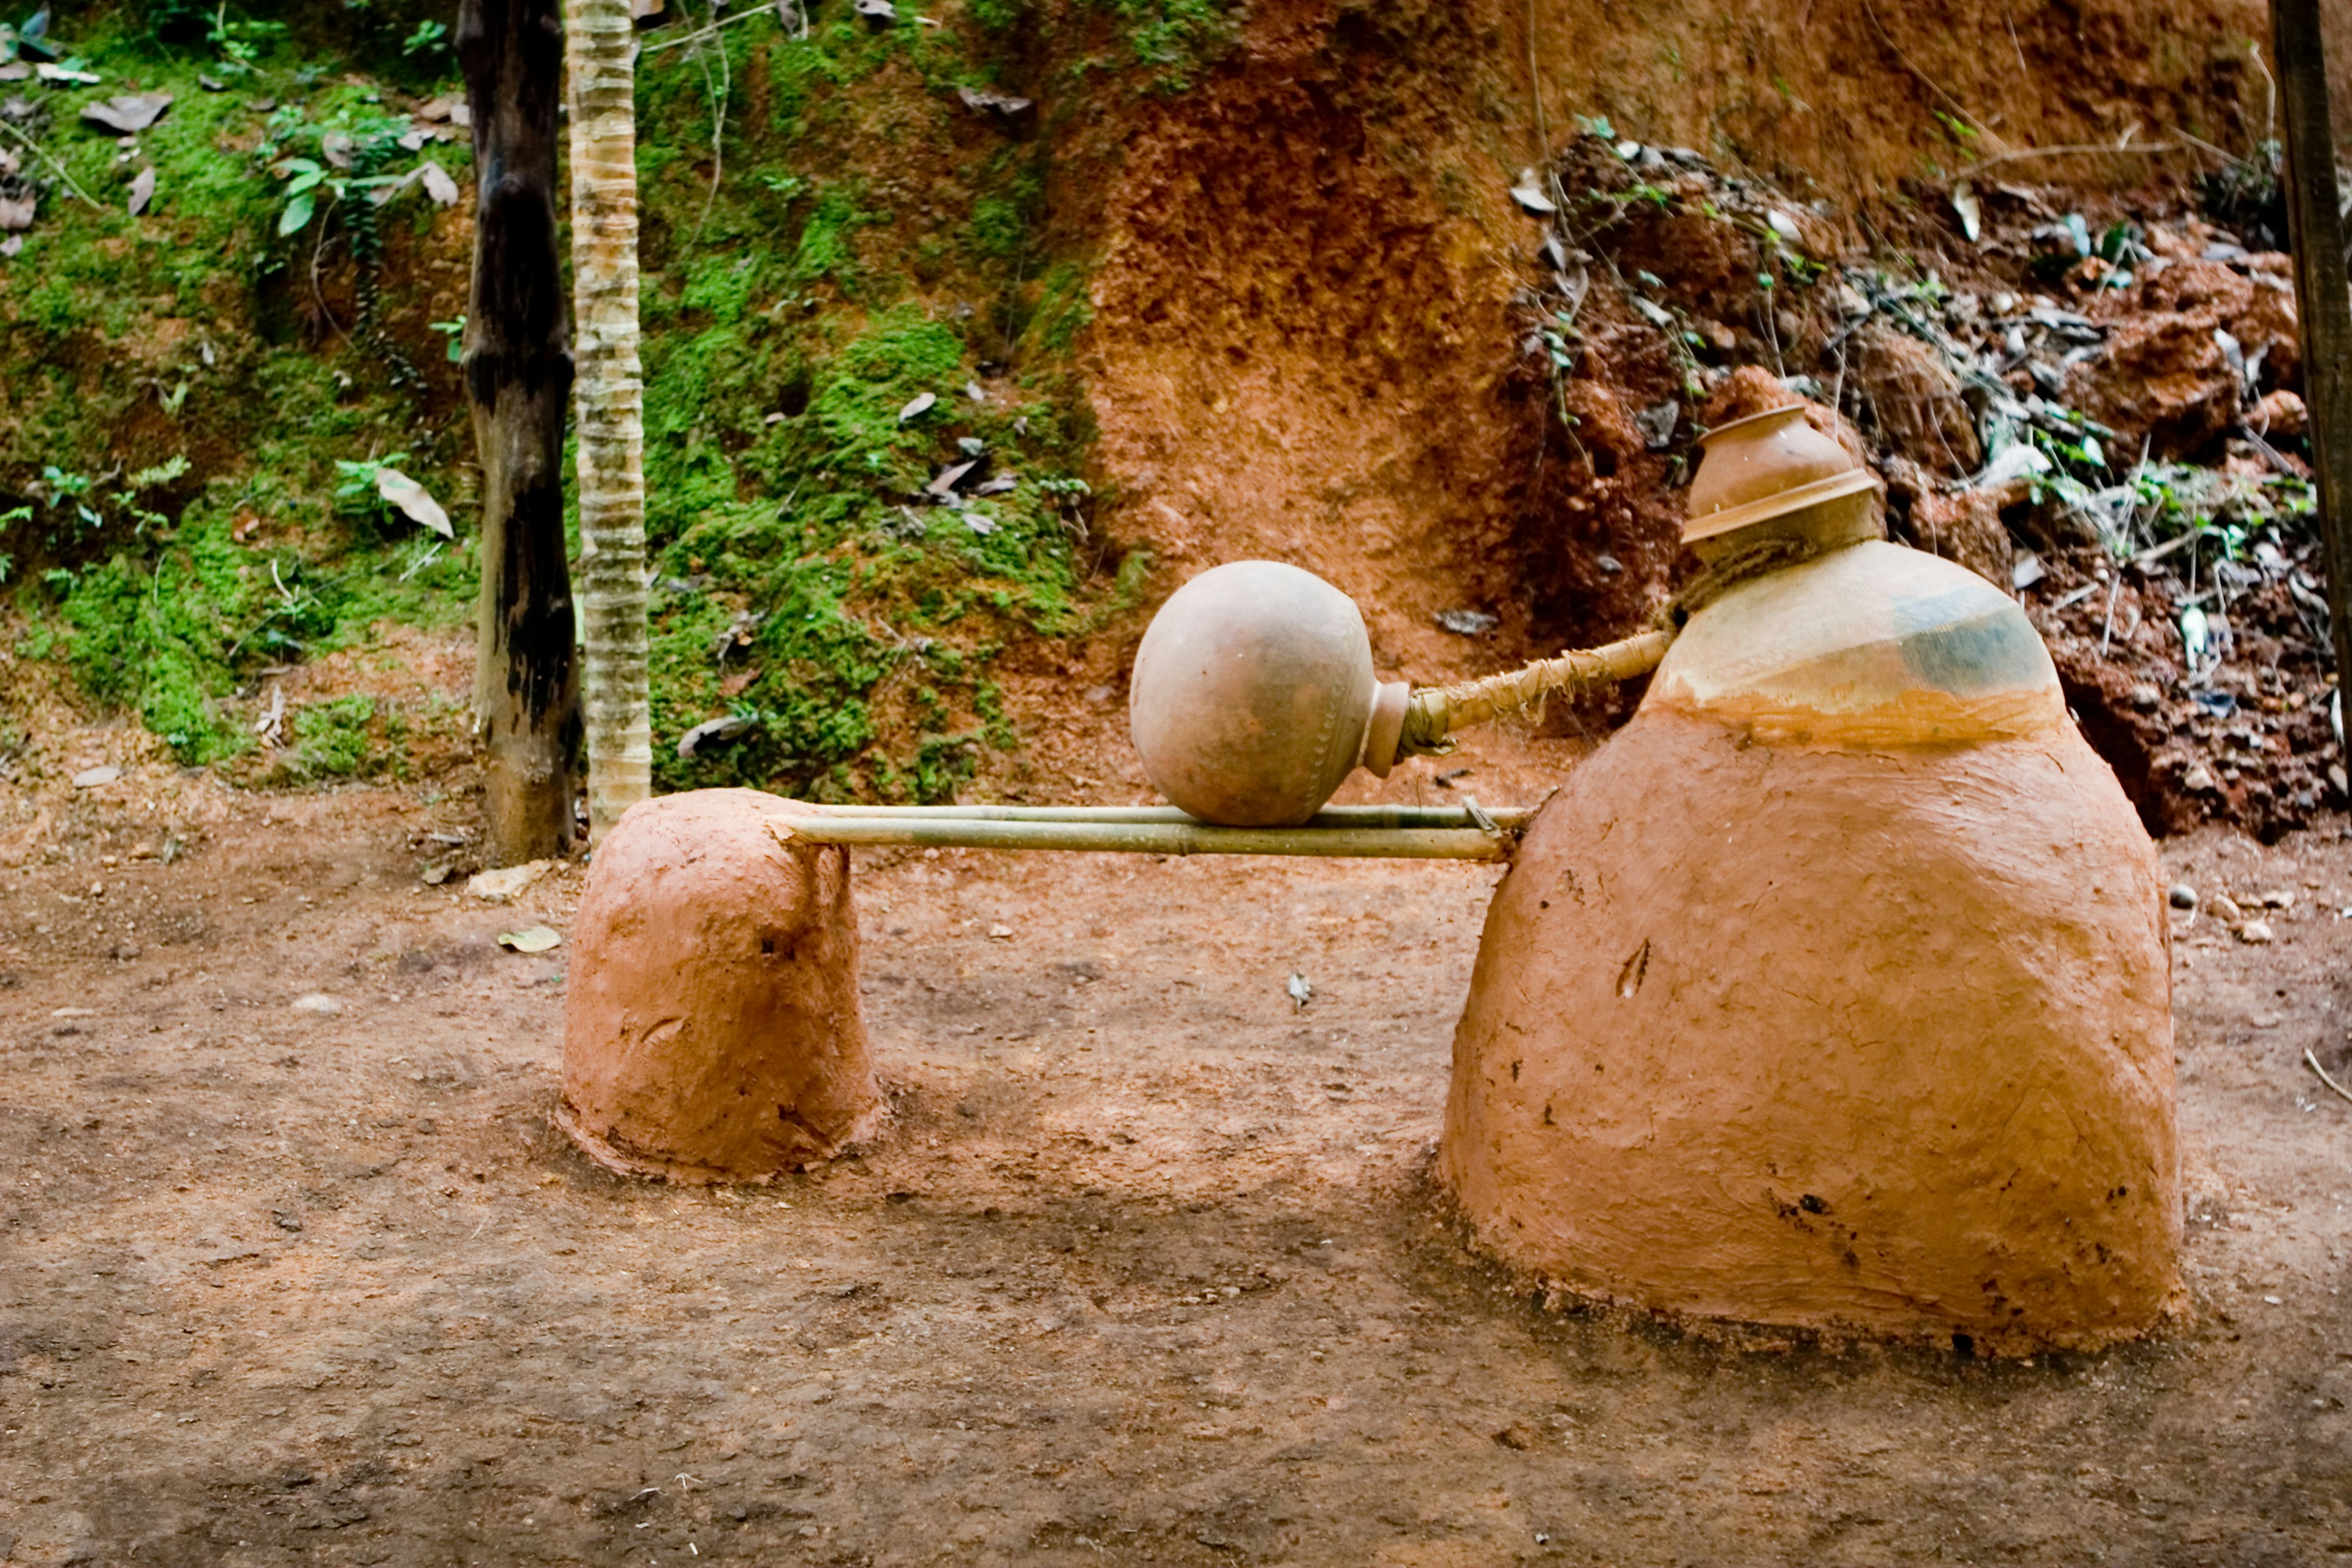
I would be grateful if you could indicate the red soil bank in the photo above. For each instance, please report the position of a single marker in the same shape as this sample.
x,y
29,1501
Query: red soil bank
x,y
712,1030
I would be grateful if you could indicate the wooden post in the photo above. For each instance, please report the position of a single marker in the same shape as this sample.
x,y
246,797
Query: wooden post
x,y
519,381
2322,296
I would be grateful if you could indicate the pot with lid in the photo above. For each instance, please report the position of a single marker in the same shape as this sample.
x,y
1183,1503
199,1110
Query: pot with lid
x,y
1832,989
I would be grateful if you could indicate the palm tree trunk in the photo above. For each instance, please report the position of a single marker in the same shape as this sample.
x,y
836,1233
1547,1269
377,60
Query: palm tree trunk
x,y
517,380
600,41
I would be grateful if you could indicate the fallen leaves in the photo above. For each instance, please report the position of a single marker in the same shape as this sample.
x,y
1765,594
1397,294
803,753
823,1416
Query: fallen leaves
x,y
126,114
498,886
1530,193
531,939
414,501
1467,623
988,101
716,733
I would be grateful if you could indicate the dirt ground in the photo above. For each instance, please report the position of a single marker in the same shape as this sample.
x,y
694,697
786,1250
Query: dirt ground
x,y
1147,1267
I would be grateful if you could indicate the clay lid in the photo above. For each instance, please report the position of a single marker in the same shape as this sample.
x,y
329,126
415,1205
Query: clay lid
x,y
1768,466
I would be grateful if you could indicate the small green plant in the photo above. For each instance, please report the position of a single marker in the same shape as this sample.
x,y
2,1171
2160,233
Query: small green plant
x,y
164,473
430,38
305,154
303,177
62,490
240,42
87,503
358,495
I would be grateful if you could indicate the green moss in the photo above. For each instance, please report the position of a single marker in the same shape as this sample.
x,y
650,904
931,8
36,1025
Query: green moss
x,y
1063,310
151,636
181,331
1177,37
801,71
826,249
1000,16
331,740
998,228
1174,39
720,287
180,708
853,581
943,762
809,579
172,633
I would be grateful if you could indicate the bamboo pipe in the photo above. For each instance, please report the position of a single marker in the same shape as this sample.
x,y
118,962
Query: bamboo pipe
x,y
1434,713
1185,837
1508,818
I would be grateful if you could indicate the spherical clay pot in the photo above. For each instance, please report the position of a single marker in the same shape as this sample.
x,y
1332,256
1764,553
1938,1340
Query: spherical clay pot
x,y
1254,696
1774,470
1834,990
712,1027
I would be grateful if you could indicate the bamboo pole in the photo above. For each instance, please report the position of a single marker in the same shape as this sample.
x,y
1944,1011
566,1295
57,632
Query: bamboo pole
x,y
1508,818
1153,837
2322,298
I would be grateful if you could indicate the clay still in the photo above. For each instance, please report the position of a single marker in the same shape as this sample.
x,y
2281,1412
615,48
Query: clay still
x,y
711,1029
1833,990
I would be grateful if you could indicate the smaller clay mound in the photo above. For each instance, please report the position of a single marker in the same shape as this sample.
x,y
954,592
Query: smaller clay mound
x,y
712,1030
1868,1039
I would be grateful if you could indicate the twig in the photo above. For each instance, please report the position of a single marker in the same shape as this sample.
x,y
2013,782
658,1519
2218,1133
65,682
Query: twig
x,y
2269,115
1535,90
2106,634
719,97
38,151
2149,557
700,32
2204,146
422,562
2271,454
2072,149
1932,85
2322,1071
318,255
